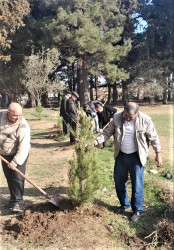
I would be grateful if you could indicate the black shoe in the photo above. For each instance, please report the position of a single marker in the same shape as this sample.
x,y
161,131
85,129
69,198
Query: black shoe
x,y
122,209
136,216
73,142
103,148
9,205
16,208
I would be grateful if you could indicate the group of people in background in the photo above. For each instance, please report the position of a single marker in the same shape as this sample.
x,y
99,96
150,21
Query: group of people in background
x,y
98,112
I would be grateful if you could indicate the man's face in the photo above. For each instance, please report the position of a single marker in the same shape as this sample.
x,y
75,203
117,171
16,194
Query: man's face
x,y
14,116
74,97
129,117
86,107
99,109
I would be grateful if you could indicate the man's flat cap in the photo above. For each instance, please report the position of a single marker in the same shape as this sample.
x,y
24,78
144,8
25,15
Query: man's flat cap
x,y
67,92
75,94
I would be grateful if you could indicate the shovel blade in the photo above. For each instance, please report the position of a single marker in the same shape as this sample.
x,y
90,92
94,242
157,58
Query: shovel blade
x,y
54,200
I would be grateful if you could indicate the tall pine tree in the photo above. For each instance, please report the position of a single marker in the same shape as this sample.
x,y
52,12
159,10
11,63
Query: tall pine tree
x,y
89,35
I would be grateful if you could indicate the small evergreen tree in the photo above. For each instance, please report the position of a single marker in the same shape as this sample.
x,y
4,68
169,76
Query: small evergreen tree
x,y
84,171
39,110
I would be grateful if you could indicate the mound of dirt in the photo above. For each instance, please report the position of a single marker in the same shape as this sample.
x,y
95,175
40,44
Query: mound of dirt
x,y
165,233
73,228
66,227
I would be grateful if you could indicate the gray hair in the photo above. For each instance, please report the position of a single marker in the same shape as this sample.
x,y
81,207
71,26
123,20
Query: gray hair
x,y
131,107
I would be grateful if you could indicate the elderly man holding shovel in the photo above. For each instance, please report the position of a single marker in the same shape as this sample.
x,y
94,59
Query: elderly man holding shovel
x,y
14,147
132,130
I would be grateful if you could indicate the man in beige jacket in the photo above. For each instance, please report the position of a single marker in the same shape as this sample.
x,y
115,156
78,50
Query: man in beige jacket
x,y
132,131
14,147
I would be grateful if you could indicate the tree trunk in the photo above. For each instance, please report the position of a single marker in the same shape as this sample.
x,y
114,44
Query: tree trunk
x,y
115,94
3,101
96,87
165,96
125,92
32,102
91,88
109,92
73,78
91,94
82,81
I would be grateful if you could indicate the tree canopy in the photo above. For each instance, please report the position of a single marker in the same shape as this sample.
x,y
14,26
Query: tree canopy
x,y
89,35
94,38
11,18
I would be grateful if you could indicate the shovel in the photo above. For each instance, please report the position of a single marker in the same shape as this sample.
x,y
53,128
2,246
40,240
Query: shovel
x,y
52,199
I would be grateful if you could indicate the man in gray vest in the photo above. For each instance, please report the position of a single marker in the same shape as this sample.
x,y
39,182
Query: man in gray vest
x,y
132,130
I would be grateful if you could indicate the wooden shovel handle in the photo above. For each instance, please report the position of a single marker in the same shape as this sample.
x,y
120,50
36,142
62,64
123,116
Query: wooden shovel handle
x,y
25,177
104,128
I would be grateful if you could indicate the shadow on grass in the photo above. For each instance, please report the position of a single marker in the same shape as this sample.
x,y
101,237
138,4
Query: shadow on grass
x,y
34,192
45,135
31,192
50,145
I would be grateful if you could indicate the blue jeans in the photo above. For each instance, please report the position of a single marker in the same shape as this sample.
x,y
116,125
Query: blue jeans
x,y
95,118
124,164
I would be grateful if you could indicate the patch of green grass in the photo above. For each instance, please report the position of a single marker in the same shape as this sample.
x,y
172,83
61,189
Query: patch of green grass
x,y
166,167
47,114
62,138
163,124
47,173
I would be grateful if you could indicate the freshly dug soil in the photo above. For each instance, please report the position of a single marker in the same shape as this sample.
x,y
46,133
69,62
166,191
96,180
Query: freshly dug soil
x,y
66,226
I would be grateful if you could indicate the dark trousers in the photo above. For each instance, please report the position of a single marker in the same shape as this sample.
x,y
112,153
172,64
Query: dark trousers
x,y
65,127
14,180
72,131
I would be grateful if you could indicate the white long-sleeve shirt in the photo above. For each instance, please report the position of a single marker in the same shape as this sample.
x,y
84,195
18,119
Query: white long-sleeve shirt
x,y
128,145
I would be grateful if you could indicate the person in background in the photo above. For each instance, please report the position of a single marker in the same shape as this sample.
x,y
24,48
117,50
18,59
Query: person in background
x,y
105,115
90,110
63,113
72,112
132,130
14,147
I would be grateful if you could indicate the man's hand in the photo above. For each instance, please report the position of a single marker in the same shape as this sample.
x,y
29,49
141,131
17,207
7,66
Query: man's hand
x,y
158,159
10,165
93,143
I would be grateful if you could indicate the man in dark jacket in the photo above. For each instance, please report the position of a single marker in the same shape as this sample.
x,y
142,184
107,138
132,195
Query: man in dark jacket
x,y
63,113
105,115
72,112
